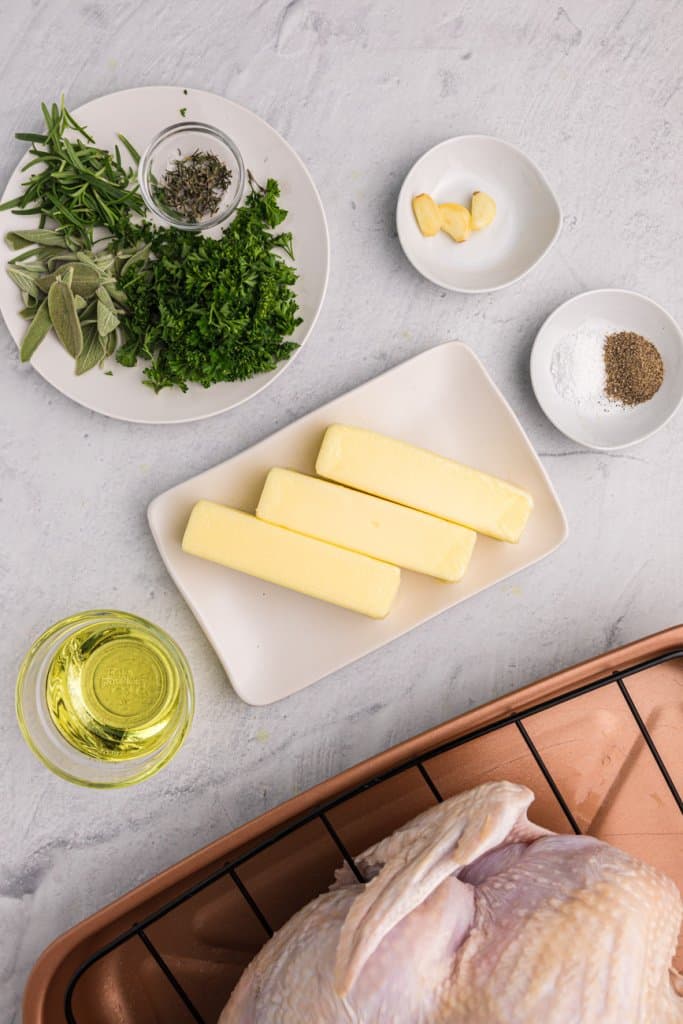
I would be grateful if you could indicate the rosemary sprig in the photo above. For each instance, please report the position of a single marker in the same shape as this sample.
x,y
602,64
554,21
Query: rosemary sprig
x,y
75,182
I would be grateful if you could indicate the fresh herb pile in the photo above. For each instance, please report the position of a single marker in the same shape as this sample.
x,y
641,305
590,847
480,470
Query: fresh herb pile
x,y
77,184
197,309
209,310
73,291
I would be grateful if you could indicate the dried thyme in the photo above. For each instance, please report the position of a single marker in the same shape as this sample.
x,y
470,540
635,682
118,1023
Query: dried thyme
x,y
194,186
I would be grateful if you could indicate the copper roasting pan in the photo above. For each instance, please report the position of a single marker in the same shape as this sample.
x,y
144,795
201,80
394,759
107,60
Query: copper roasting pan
x,y
601,745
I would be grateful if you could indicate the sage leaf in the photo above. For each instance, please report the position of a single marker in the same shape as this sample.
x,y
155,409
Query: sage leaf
x,y
14,240
79,302
105,298
110,344
64,316
66,274
87,258
117,294
84,280
90,311
35,267
104,261
92,351
24,255
34,236
59,256
139,255
24,280
107,320
36,331
31,301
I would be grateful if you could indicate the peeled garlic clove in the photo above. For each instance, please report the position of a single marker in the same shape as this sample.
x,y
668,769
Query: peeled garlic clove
x,y
427,214
456,221
483,210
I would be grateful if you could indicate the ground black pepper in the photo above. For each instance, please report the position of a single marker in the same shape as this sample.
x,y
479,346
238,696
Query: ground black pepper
x,y
633,368
194,185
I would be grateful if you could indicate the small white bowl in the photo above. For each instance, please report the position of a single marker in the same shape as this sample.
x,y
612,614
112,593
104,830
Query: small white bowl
x,y
176,143
528,217
626,311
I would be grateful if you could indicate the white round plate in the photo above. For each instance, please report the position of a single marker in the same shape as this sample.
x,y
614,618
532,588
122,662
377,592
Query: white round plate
x,y
625,311
140,114
528,217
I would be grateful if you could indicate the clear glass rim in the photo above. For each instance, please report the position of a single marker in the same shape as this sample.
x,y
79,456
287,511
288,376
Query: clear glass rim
x,y
144,168
178,657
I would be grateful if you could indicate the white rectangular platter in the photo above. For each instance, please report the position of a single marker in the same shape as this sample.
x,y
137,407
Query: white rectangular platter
x,y
273,642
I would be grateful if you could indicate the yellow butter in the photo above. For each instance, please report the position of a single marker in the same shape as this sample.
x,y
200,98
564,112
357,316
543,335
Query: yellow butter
x,y
361,522
423,480
240,541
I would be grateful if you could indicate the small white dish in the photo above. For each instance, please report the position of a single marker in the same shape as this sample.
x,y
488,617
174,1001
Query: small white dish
x,y
273,642
141,114
626,311
528,217
177,143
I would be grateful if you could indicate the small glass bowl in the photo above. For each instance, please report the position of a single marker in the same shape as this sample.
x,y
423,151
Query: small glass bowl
x,y
179,141
150,675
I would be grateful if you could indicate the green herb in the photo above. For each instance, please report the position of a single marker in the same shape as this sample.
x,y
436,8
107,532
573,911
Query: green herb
x,y
64,316
76,184
208,310
107,320
197,309
130,147
183,111
37,236
88,288
84,281
26,281
194,186
37,329
91,353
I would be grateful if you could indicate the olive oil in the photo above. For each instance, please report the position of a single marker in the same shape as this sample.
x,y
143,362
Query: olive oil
x,y
113,692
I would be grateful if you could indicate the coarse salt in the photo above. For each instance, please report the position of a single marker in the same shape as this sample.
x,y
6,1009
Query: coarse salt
x,y
578,367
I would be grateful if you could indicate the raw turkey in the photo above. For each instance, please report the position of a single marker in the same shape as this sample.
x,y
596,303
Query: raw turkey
x,y
470,914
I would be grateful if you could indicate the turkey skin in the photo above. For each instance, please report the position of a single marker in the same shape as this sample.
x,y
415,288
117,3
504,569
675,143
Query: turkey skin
x,y
471,914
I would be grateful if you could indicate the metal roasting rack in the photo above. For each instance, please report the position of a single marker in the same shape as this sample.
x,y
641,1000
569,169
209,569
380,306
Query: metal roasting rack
x,y
615,681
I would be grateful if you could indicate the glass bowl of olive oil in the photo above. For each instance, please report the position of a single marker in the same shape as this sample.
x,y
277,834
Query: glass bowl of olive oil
x,y
104,698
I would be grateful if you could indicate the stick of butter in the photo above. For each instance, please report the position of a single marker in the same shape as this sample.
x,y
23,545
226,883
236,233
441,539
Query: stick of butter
x,y
423,480
361,522
240,541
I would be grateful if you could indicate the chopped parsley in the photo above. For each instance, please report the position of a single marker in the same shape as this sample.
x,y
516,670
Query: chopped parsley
x,y
206,310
